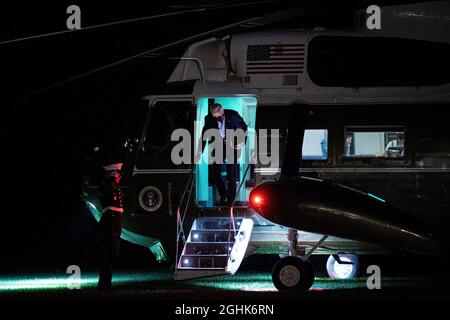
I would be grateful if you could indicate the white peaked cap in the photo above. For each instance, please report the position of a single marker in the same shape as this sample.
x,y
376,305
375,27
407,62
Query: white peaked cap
x,y
113,167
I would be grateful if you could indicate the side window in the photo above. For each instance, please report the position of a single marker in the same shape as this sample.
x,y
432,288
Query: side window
x,y
315,144
374,142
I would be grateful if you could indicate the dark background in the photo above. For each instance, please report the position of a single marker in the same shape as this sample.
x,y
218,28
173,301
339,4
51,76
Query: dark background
x,y
49,130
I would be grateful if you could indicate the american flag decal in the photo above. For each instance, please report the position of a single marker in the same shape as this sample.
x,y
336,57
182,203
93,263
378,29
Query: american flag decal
x,y
275,58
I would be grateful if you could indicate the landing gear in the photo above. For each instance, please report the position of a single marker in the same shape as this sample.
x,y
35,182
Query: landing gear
x,y
293,273
342,266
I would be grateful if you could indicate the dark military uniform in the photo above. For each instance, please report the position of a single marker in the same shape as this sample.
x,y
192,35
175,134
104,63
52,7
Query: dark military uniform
x,y
110,228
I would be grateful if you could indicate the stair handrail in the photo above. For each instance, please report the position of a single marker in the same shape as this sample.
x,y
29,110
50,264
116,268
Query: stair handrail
x,y
180,219
229,234
186,207
231,222
242,182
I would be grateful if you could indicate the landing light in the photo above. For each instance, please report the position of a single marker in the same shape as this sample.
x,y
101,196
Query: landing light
x,y
343,271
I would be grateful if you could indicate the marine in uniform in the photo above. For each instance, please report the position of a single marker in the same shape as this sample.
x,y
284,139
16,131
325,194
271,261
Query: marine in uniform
x,y
110,225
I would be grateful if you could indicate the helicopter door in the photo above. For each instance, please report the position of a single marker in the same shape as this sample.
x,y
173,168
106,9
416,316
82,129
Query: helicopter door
x,y
206,188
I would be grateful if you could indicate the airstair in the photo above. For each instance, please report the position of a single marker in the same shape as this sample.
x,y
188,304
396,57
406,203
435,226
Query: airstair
x,y
214,246
217,242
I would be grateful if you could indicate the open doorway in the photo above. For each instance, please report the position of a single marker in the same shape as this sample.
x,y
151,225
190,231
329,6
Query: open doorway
x,y
206,188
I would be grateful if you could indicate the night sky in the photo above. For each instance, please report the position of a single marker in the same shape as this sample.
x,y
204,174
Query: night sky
x,y
48,133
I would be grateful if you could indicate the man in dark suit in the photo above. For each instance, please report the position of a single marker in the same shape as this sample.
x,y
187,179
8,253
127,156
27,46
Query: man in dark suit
x,y
223,120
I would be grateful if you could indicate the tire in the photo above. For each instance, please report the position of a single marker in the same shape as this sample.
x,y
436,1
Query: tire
x,y
292,273
343,271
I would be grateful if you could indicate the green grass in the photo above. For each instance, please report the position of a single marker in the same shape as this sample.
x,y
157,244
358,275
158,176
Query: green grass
x,y
154,283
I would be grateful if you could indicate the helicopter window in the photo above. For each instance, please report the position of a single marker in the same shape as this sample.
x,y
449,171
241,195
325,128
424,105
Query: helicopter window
x,y
374,142
166,116
315,144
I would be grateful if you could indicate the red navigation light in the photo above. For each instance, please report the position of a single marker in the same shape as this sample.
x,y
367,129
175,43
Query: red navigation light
x,y
257,201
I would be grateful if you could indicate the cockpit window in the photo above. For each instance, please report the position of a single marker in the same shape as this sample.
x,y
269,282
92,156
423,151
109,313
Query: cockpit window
x,y
374,142
315,144
156,145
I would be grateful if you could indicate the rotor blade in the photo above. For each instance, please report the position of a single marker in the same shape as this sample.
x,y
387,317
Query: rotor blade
x,y
236,27
115,23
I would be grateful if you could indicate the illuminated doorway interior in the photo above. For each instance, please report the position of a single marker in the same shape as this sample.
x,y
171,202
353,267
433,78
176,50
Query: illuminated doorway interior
x,y
206,191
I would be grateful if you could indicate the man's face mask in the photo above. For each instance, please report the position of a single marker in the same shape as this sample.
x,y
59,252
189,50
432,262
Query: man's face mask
x,y
218,114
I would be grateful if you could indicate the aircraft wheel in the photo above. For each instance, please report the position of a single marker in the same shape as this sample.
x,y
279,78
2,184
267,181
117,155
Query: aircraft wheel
x,y
336,270
292,273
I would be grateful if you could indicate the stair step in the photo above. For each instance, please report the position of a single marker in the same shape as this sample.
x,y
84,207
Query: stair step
x,y
216,210
216,223
208,251
204,255
199,248
203,261
193,273
206,242
200,269
211,230
210,236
